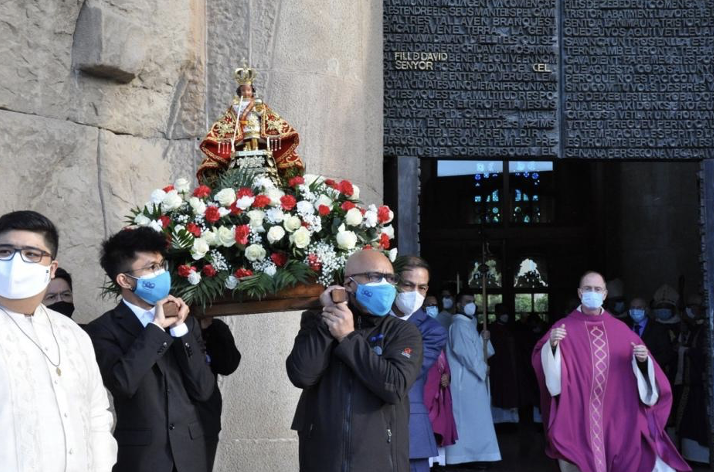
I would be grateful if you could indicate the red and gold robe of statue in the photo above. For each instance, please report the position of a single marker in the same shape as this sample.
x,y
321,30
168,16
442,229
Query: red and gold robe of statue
x,y
217,143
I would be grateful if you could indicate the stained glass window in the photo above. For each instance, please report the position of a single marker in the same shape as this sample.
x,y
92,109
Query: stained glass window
x,y
530,182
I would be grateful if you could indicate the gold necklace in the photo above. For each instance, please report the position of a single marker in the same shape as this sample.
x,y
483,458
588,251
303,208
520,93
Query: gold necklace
x,y
59,353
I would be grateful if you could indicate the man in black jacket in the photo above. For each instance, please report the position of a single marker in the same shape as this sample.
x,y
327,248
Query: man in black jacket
x,y
654,335
355,366
154,365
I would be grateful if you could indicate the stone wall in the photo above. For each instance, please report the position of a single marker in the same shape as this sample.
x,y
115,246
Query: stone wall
x,y
102,101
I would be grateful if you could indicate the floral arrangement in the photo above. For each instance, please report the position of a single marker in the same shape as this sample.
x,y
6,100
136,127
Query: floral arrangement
x,y
252,237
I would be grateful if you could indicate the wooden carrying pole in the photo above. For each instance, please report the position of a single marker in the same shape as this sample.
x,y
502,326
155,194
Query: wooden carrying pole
x,y
483,268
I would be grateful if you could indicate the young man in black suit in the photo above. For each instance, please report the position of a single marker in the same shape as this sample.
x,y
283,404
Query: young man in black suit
x,y
154,365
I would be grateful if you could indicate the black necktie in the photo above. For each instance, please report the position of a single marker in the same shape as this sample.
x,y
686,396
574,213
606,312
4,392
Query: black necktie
x,y
636,329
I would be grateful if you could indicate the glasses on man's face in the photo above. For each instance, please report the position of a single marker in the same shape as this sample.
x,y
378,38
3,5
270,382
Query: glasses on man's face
x,y
27,253
65,296
588,288
376,277
151,268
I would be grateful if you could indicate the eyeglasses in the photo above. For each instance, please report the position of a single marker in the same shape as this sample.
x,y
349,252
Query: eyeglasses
x,y
65,296
376,277
588,288
27,253
153,267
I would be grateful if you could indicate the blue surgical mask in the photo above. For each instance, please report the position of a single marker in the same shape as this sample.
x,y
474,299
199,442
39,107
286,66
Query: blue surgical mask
x,y
153,287
432,311
637,314
377,297
592,300
619,307
662,313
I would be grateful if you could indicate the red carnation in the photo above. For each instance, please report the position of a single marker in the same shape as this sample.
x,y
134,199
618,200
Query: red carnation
x,y
384,241
234,209
194,229
367,247
347,206
279,258
345,187
242,233
323,210
202,192
244,192
168,188
288,202
261,201
185,270
295,181
313,262
331,183
240,273
165,221
384,214
209,270
212,214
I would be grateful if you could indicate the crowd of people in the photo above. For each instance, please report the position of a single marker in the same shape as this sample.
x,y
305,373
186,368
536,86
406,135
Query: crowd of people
x,y
392,377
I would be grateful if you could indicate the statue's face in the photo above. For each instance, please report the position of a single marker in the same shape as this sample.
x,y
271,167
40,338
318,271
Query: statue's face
x,y
246,91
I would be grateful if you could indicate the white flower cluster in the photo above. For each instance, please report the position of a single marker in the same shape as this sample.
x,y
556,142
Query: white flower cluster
x,y
266,265
219,261
330,260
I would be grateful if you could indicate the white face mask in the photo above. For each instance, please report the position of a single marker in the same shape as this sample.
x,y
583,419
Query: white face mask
x,y
432,311
409,302
20,279
447,302
592,300
470,309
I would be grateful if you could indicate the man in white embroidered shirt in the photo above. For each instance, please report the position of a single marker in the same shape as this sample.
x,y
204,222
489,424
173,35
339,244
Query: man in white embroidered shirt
x,y
153,361
54,410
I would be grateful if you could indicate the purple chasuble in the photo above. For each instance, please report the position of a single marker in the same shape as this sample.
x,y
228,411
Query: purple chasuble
x,y
598,422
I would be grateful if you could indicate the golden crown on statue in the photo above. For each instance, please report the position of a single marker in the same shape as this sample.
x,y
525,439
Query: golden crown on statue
x,y
245,75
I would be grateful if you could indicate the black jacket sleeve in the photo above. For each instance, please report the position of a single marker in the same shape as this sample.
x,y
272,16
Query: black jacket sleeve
x,y
311,351
221,348
191,356
391,375
123,372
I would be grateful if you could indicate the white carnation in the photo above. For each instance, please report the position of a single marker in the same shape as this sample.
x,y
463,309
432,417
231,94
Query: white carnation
x,y
256,218
275,195
194,277
263,182
389,231
355,192
172,200
291,223
156,226
353,217
370,219
305,208
244,202
275,215
182,185
275,234
198,205
199,248
270,270
323,200
226,236
393,254
142,220
300,238
157,196
346,239
226,197
255,252
231,282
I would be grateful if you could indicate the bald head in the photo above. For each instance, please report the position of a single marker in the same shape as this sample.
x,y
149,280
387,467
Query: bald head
x,y
367,261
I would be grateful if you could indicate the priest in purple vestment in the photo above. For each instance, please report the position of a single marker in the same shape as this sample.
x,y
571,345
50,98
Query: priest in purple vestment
x,y
604,399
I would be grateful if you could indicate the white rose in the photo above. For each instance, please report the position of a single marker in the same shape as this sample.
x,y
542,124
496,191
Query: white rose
x,y
171,201
275,195
194,277
275,234
198,206
199,248
389,231
353,217
142,220
370,219
255,252
323,200
182,185
244,202
291,223
346,239
157,196
231,282
300,238
226,197
256,218
210,237
275,215
270,270
305,208
393,254
156,226
226,236
355,192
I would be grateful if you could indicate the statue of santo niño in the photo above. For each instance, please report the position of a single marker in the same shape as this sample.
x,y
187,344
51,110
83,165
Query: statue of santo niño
x,y
250,135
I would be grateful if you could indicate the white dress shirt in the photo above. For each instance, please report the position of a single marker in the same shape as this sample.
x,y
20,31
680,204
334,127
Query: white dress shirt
x,y
51,421
147,316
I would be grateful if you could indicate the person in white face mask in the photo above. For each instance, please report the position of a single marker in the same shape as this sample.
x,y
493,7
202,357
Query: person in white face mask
x,y
54,410
604,398
413,273
448,306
